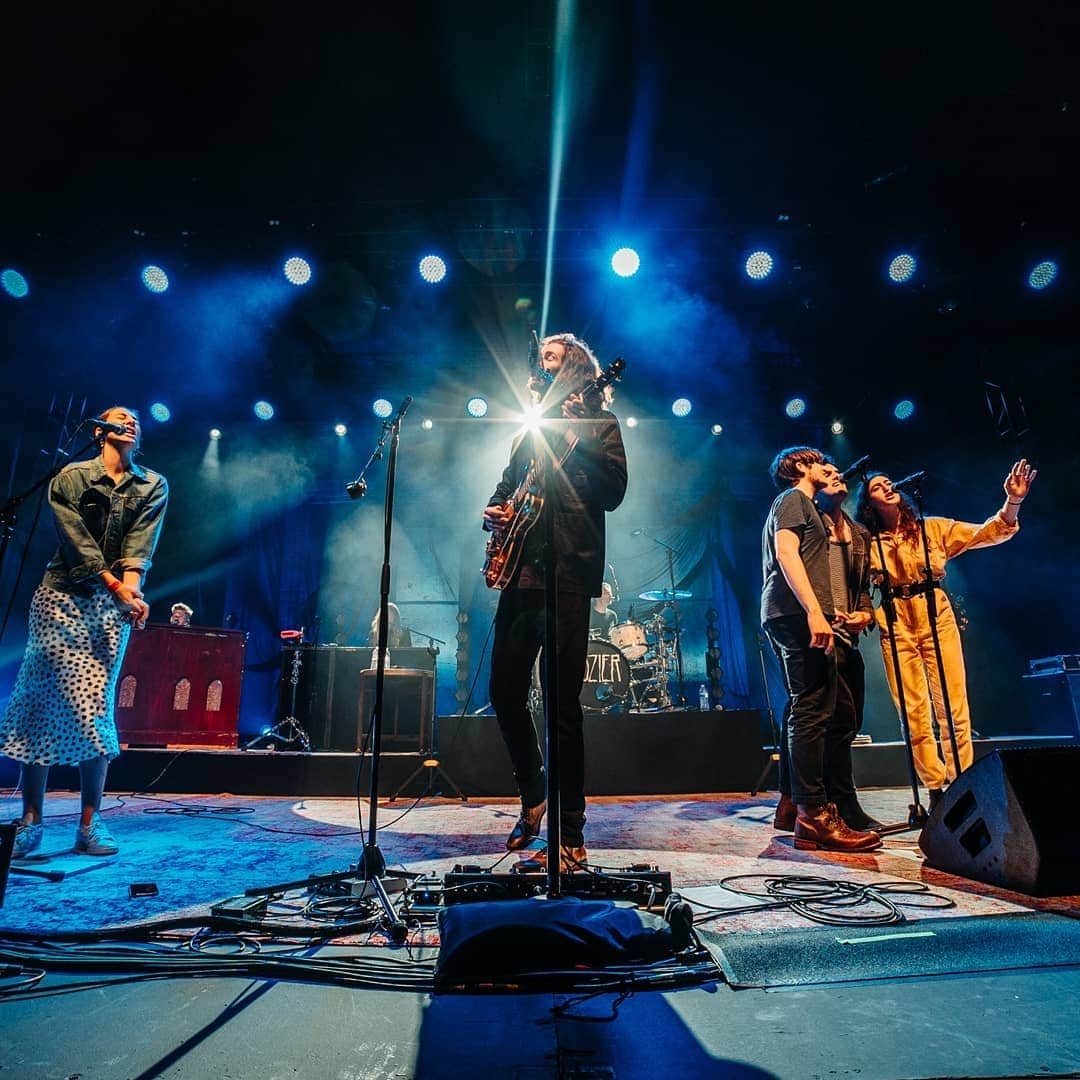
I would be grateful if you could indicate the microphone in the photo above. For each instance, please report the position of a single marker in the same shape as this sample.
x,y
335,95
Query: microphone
x,y
856,467
110,427
913,480
403,410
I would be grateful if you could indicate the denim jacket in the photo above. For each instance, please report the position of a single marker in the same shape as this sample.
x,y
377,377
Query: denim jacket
x,y
102,525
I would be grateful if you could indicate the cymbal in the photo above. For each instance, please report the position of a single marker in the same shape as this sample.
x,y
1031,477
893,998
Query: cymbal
x,y
665,594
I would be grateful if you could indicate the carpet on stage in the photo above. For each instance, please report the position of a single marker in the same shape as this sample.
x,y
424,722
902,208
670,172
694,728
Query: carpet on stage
x,y
199,850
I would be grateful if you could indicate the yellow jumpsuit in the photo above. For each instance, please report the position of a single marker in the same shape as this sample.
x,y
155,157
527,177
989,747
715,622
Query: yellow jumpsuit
x,y
918,664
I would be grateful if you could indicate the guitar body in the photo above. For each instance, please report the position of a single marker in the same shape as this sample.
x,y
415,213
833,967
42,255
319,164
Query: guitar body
x,y
503,553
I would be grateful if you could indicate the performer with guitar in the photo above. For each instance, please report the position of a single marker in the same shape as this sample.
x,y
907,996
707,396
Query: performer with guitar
x,y
579,451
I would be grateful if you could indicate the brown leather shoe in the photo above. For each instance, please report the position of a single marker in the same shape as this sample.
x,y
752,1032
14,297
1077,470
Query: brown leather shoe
x,y
527,828
786,813
570,859
822,828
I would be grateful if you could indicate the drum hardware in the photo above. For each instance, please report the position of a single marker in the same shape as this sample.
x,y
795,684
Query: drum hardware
x,y
289,729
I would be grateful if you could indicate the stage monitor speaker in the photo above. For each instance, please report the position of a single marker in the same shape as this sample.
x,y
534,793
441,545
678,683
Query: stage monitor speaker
x,y
1007,821
1053,699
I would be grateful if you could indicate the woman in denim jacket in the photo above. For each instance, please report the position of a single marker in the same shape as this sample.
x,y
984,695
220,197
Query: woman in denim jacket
x,y
108,513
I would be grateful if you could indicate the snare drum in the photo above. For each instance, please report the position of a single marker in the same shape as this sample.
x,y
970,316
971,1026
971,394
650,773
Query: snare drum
x,y
630,638
607,677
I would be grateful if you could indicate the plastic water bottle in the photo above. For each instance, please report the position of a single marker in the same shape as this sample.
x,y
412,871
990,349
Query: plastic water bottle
x,y
703,698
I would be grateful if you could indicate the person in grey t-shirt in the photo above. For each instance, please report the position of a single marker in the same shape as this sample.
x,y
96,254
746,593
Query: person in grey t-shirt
x,y
797,611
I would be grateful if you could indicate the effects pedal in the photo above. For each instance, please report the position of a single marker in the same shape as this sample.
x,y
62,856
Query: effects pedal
x,y
643,885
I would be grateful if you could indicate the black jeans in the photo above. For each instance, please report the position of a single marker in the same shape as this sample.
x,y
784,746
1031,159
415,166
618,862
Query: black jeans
x,y
810,680
519,636
846,723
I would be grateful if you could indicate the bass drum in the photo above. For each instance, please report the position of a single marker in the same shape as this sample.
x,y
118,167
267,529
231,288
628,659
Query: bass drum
x,y
630,638
607,677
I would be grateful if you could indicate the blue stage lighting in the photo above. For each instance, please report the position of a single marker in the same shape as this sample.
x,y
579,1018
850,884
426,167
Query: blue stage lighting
x,y
161,412
427,423
759,265
432,269
14,284
837,427
340,430
297,271
264,410
902,268
477,407
382,408
681,407
625,262
795,407
1042,274
631,421
904,409
717,429
155,279
215,433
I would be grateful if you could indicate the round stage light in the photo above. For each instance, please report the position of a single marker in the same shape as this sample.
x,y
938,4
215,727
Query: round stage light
x,y
717,429
902,268
215,433
340,430
161,412
1042,274
382,408
681,407
837,427
626,262
427,424
263,410
795,407
432,269
14,284
631,421
476,407
155,279
904,409
297,271
759,265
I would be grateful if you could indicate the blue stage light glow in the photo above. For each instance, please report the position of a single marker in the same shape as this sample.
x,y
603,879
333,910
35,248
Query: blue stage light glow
x,y
631,421
902,268
264,410
155,279
14,284
340,430
904,409
681,407
837,427
297,271
382,408
626,262
432,269
795,407
759,265
476,407
717,429
161,412
1042,274
215,433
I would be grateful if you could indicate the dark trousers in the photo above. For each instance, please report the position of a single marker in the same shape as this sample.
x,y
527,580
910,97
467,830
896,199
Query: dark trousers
x,y
810,680
840,732
519,637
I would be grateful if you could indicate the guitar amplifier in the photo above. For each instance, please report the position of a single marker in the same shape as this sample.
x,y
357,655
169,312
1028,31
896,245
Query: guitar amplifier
x,y
329,689
1054,702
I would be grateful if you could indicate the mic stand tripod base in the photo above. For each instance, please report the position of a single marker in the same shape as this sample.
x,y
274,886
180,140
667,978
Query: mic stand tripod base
x,y
371,869
917,816
287,730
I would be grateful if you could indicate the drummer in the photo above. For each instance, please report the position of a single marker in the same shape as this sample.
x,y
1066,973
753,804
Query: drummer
x,y
602,619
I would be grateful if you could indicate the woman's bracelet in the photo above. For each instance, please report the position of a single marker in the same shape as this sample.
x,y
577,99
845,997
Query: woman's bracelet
x,y
1013,502
115,585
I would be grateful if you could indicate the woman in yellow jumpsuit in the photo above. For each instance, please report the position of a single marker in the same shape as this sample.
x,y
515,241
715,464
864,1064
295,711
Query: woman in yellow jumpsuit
x,y
887,512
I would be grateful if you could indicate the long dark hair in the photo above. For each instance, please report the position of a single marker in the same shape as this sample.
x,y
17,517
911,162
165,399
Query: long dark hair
x,y
907,526
579,366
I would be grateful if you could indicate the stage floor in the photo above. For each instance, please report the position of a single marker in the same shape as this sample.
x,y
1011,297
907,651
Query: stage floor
x,y
887,1021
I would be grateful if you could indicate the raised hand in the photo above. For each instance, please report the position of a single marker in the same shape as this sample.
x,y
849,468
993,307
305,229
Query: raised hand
x,y
1018,482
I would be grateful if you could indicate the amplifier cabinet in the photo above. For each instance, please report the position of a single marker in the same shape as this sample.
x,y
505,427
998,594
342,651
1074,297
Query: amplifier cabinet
x,y
1054,702
180,684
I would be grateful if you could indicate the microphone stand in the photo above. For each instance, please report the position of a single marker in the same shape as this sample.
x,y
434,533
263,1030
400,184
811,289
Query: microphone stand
x,y
916,811
931,614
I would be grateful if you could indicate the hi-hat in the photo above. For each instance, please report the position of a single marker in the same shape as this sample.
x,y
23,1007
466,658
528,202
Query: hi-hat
x,y
665,594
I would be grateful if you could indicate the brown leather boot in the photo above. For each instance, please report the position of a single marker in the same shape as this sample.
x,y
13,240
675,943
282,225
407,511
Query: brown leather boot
x,y
822,828
786,813
571,859
527,828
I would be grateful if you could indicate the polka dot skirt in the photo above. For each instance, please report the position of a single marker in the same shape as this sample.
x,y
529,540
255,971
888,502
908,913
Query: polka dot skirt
x,y
61,710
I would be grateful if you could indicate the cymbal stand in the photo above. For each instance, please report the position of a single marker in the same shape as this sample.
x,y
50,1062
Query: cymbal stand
x,y
678,625
288,730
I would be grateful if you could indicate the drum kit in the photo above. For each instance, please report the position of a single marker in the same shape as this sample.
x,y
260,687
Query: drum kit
x,y
630,670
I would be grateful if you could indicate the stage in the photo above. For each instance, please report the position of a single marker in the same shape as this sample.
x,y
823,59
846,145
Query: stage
x,y
813,1004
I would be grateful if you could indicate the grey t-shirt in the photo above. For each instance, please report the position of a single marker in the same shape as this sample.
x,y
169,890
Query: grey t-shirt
x,y
795,511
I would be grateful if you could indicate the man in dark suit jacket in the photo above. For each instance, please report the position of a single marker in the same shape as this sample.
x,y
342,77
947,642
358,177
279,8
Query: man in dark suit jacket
x,y
590,482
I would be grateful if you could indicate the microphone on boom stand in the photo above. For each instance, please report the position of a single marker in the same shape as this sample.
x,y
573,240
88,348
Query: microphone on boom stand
x,y
914,480
856,467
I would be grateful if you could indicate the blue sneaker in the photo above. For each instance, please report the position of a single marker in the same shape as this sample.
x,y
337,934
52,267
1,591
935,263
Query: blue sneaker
x,y
95,838
27,839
